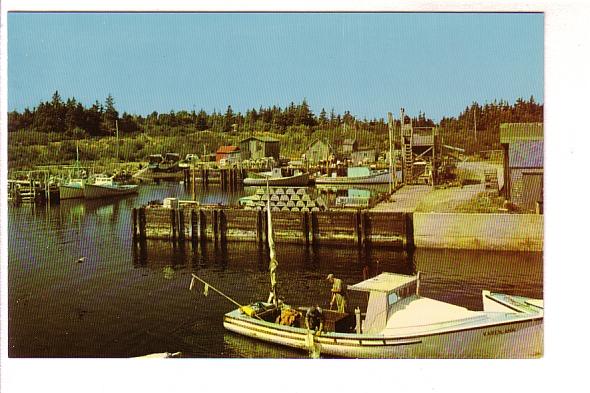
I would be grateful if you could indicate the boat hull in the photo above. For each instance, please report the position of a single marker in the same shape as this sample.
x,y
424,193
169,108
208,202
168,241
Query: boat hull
x,y
380,178
289,181
517,339
92,191
70,192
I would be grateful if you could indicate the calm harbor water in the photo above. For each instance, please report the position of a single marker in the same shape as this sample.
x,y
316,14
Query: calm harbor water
x,y
131,299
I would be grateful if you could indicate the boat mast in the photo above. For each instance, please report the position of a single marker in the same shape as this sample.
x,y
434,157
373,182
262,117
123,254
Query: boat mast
x,y
273,265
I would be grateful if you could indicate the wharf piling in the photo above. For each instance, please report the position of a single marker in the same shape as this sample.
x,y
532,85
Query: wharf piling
x,y
230,179
363,228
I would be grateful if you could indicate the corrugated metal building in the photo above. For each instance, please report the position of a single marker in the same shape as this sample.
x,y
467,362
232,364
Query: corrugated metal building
x,y
256,147
523,163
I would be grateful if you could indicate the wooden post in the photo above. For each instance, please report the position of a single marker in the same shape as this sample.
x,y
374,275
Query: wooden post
x,y
259,227
194,226
134,220
215,226
194,185
409,231
142,223
181,224
357,228
223,227
173,223
306,228
202,225
314,228
364,228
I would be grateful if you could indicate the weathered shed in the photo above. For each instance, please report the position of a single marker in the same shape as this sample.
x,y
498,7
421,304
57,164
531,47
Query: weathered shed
x,y
522,144
257,147
318,151
348,146
363,156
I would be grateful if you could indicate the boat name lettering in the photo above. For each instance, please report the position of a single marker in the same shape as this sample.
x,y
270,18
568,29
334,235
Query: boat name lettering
x,y
499,331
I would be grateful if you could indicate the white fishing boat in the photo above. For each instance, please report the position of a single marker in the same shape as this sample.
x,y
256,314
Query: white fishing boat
x,y
276,178
357,175
399,323
102,186
72,189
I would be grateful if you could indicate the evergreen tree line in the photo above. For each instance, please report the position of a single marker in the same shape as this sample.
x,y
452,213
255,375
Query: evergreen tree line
x,y
476,128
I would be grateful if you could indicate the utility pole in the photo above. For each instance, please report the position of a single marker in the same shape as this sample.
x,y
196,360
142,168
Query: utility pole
x,y
117,131
475,125
393,180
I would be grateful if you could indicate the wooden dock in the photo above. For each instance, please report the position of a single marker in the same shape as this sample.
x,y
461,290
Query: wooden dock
x,y
221,224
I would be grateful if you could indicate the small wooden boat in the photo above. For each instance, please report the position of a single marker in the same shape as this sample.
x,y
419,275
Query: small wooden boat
x,y
276,178
104,187
360,176
400,323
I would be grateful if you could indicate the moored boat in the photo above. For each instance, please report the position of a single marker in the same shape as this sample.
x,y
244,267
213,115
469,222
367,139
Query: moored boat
x,y
276,178
360,175
104,187
400,323
73,189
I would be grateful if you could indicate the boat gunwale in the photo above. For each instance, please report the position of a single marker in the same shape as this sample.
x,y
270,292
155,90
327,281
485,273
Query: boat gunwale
x,y
522,317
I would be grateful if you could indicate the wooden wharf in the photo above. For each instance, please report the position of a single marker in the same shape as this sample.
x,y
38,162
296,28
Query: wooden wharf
x,y
194,222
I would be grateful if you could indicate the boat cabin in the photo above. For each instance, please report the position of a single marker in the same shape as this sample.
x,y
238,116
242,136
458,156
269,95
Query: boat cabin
x,y
385,290
103,180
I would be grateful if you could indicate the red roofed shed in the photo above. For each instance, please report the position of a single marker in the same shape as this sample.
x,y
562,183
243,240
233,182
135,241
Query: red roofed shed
x,y
230,152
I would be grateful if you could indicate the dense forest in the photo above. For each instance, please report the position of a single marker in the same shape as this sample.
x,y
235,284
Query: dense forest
x,y
474,129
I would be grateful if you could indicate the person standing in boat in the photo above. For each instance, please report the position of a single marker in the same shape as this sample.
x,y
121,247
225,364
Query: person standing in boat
x,y
338,293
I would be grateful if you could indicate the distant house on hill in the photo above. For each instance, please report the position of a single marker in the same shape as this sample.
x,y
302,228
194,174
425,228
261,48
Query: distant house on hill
x,y
256,147
318,151
522,144
230,153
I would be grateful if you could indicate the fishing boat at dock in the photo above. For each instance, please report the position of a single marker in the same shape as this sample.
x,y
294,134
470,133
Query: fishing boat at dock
x,y
400,323
103,186
357,175
397,321
72,189
276,178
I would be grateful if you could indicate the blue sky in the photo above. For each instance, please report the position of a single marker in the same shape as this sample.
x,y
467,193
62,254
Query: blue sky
x,y
368,63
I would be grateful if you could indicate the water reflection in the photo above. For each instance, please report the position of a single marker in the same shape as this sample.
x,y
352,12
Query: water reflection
x,y
131,298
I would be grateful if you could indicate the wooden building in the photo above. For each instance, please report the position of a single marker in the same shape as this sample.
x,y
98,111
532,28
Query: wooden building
x,y
230,153
419,146
348,147
363,156
522,144
318,151
257,147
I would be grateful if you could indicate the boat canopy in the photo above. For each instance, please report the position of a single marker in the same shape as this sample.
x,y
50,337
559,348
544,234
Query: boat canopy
x,y
385,282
